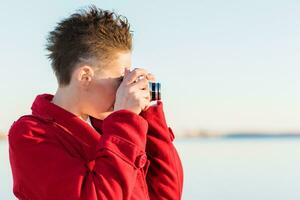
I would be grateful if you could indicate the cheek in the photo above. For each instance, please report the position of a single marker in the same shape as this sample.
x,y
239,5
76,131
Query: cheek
x,y
105,96
112,95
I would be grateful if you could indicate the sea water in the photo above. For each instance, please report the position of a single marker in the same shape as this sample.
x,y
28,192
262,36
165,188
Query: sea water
x,y
222,169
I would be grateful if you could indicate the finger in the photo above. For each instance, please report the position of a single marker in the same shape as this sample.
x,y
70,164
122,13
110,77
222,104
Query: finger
x,y
145,94
150,77
133,75
126,72
141,84
144,97
146,108
146,104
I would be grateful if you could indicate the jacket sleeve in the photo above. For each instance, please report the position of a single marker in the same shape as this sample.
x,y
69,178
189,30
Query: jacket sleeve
x,y
165,173
43,169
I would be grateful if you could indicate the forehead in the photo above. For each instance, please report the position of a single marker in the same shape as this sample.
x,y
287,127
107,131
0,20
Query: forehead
x,y
119,62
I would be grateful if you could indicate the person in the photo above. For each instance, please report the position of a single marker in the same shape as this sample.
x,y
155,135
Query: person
x,y
99,136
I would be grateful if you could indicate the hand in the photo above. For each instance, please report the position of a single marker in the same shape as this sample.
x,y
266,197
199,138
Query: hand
x,y
133,93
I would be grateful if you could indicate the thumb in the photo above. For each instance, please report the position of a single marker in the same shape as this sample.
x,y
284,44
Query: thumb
x,y
126,72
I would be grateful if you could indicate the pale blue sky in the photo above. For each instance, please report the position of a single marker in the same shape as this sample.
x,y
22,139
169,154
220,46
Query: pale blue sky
x,y
223,65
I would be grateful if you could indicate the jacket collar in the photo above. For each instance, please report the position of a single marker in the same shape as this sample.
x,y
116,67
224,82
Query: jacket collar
x,y
44,108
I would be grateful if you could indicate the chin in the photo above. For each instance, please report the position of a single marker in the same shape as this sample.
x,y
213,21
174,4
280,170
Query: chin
x,y
105,114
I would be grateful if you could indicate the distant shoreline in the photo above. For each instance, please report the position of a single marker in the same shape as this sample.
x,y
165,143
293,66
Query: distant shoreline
x,y
239,135
226,136
259,135
3,136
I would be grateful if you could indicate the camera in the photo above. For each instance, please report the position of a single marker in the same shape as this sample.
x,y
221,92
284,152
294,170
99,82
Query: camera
x,y
154,88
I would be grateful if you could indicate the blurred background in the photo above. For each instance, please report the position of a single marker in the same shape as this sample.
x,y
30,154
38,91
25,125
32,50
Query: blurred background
x,y
230,85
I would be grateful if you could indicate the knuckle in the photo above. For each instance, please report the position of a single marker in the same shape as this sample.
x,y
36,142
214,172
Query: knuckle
x,y
140,71
130,90
135,72
145,81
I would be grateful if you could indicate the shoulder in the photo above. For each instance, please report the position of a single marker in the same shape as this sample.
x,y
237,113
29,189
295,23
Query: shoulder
x,y
25,128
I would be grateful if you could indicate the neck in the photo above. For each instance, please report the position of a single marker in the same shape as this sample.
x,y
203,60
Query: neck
x,y
67,100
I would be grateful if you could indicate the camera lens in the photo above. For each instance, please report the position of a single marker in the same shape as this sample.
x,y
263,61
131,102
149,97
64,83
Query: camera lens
x,y
155,91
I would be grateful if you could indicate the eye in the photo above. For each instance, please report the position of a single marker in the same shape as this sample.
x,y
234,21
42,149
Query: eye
x,y
120,79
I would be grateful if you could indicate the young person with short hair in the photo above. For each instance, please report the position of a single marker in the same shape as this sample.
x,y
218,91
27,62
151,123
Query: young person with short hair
x,y
98,137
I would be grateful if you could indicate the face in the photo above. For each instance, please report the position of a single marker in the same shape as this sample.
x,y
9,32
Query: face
x,y
97,88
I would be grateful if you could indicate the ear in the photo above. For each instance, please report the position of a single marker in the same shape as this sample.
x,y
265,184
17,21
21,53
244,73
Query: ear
x,y
85,74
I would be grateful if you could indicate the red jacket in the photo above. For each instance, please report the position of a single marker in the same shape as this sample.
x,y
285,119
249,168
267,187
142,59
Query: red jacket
x,y
56,155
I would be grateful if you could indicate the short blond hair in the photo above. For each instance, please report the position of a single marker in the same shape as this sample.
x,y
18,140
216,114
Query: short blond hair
x,y
87,33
